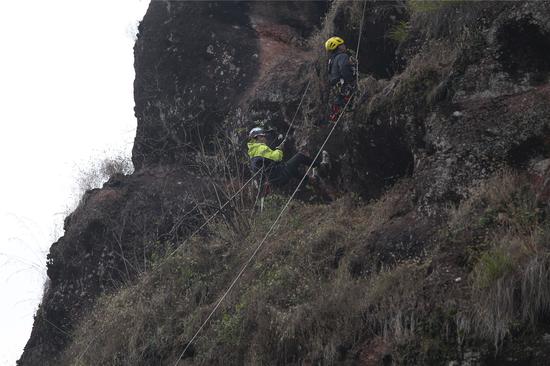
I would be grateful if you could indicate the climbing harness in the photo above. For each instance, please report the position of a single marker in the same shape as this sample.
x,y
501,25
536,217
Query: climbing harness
x,y
342,95
343,91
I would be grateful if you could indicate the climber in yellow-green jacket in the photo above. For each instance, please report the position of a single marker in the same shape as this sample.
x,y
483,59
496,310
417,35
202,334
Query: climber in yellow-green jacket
x,y
262,157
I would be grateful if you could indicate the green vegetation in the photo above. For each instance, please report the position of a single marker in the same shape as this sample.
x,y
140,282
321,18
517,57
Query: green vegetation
x,y
230,328
400,32
492,266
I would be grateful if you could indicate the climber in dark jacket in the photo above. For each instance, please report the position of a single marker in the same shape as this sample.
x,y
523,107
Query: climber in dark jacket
x,y
271,161
341,75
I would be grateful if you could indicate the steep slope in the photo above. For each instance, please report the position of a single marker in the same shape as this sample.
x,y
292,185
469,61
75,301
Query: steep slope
x,y
435,252
185,86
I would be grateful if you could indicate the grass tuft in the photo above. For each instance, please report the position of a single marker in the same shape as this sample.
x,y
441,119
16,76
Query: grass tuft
x,y
400,32
493,266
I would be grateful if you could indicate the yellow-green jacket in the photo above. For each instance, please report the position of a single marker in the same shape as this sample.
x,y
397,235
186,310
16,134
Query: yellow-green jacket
x,y
268,160
261,150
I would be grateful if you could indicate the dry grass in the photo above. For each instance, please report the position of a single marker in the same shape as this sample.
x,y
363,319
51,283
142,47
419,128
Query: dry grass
x,y
486,198
439,45
99,172
292,296
135,325
392,296
507,293
423,81
395,201
432,18
509,278
300,303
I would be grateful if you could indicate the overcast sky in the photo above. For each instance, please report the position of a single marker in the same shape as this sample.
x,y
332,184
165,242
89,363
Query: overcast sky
x,y
66,100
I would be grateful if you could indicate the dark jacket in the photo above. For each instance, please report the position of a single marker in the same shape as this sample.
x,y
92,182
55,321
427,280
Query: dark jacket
x,y
340,67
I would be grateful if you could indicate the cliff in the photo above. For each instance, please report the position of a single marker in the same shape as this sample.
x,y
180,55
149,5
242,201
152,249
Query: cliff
x,y
433,249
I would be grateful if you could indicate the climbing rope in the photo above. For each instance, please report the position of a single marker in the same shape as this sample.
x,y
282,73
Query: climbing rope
x,y
213,215
220,209
271,229
297,109
260,185
244,185
83,353
359,40
260,245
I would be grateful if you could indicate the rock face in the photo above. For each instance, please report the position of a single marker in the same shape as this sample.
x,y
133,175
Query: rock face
x,y
187,77
110,239
450,94
189,81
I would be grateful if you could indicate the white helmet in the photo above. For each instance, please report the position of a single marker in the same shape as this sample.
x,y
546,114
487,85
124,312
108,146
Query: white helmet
x,y
255,132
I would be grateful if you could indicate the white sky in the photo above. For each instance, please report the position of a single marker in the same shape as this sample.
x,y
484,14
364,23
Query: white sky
x,y
66,99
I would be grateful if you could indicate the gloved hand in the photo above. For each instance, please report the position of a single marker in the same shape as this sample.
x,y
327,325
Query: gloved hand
x,y
281,145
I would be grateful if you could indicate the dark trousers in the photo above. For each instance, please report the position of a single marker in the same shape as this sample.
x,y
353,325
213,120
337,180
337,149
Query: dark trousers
x,y
283,172
294,163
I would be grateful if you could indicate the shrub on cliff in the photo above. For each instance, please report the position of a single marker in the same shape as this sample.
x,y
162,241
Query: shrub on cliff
x,y
98,172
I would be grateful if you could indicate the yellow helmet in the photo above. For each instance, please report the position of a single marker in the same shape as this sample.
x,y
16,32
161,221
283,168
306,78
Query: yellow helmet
x,y
333,42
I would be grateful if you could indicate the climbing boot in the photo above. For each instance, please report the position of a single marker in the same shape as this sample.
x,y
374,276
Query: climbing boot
x,y
313,177
324,165
325,158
